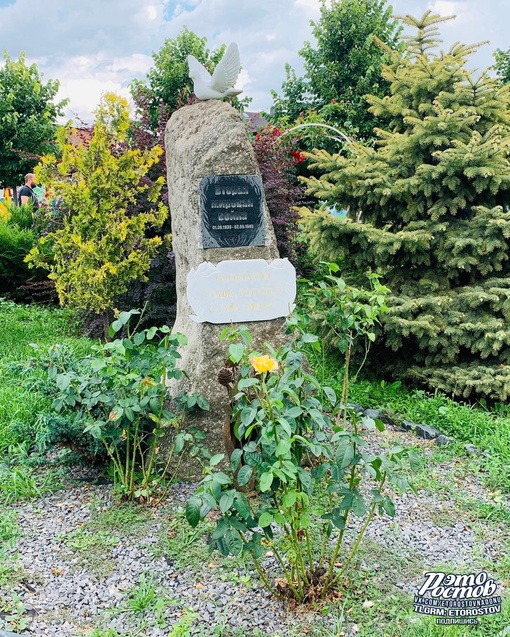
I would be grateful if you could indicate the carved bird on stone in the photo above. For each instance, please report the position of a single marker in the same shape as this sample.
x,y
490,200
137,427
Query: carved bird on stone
x,y
221,82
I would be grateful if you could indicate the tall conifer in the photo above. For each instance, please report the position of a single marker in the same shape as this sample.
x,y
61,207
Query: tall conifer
x,y
430,211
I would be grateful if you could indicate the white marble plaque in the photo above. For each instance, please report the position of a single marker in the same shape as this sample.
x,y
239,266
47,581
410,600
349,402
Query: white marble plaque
x,y
241,291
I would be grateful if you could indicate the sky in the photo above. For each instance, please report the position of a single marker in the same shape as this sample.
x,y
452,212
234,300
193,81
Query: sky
x,y
95,46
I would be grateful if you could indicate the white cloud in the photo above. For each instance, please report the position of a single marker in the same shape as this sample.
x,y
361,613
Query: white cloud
x,y
445,7
152,12
97,45
137,64
85,94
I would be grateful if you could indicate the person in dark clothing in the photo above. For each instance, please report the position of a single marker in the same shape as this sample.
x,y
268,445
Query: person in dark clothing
x,y
26,193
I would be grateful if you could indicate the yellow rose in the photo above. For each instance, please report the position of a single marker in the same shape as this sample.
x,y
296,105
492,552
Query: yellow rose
x,y
263,364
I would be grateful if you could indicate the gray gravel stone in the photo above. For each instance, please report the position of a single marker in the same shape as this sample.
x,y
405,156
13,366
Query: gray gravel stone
x,y
69,598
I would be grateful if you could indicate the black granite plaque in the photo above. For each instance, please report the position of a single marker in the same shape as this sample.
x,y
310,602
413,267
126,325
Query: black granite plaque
x,y
231,211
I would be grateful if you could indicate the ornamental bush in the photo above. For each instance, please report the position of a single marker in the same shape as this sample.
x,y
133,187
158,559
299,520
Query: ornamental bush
x,y
304,455
101,246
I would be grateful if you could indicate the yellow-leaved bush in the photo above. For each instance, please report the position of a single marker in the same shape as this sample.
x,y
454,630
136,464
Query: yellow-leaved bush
x,y
102,245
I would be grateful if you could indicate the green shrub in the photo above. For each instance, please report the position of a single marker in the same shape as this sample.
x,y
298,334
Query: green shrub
x,y
21,216
15,244
303,454
119,396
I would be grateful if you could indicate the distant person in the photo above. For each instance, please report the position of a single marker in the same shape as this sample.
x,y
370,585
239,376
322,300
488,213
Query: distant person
x,y
26,192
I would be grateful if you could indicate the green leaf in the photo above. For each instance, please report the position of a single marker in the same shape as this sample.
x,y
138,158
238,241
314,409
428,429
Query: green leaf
x,y
414,461
235,459
151,332
294,412
139,338
227,500
358,505
238,524
265,519
266,480
235,352
285,426
347,501
222,527
304,520
241,505
179,443
203,403
234,542
368,422
244,475
216,459
125,316
221,478
283,447
330,393
192,511
344,452
379,424
389,506
280,519
294,360
247,382
248,415
309,338
289,499
63,381
338,521
115,327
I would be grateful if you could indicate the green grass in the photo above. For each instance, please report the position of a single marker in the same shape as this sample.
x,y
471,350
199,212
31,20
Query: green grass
x,y
11,570
20,325
125,518
488,430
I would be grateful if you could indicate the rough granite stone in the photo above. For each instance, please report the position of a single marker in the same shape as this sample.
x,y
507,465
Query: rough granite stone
x,y
208,138
373,413
422,431
357,408
443,440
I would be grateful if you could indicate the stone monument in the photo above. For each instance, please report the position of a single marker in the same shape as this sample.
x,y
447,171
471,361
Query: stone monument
x,y
227,262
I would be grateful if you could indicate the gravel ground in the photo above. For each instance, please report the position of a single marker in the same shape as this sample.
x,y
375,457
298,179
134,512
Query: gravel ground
x,y
67,598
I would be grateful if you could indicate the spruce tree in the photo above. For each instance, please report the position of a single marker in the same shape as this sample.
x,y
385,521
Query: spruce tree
x,y
430,212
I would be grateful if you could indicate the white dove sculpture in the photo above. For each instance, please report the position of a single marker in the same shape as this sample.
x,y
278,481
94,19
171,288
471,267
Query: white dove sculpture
x,y
221,82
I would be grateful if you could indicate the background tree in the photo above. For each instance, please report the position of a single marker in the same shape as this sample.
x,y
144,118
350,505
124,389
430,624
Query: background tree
x,y
102,245
430,212
341,68
503,65
27,118
168,82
